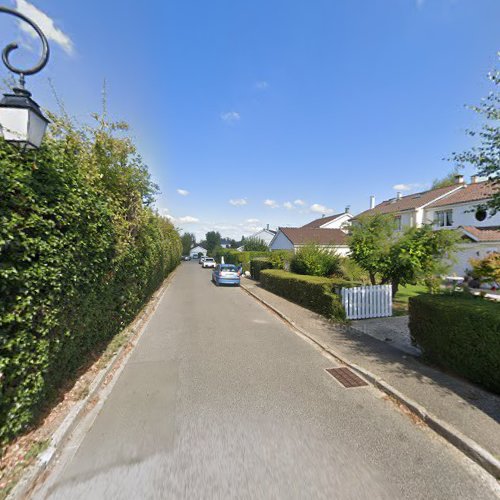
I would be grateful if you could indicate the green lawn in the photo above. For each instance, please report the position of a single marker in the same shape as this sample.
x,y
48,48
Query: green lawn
x,y
400,302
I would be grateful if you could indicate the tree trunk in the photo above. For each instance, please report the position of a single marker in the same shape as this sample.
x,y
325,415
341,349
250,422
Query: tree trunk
x,y
373,281
395,286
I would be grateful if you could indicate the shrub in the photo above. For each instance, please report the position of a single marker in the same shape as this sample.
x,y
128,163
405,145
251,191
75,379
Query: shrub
x,y
258,264
313,292
80,254
487,268
255,245
312,260
461,333
350,270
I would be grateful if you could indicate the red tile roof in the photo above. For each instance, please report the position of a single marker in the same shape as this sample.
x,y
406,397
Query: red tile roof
x,y
471,192
322,220
486,233
320,236
409,202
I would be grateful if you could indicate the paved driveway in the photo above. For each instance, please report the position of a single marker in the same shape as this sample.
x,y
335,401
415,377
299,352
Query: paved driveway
x,y
221,400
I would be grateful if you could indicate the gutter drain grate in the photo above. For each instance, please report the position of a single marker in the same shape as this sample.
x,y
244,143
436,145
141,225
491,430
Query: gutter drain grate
x,y
346,377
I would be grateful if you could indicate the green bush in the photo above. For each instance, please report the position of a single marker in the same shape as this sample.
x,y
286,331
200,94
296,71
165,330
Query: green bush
x,y
350,270
255,245
313,260
279,259
259,264
461,333
80,254
313,292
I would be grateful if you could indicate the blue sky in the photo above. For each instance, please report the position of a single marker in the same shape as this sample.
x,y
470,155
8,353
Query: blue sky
x,y
273,111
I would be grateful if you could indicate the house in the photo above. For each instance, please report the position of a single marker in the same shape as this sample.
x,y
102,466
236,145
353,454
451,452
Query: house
x,y
337,221
459,207
225,243
327,232
196,251
265,234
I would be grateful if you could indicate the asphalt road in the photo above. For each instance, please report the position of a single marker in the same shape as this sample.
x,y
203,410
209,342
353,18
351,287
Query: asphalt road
x,y
220,399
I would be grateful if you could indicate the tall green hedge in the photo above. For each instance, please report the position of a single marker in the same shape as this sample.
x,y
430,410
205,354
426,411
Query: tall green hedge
x,y
459,333
259,264
313,292
81,251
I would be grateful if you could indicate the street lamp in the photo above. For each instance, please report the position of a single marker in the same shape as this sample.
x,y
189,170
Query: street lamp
x,y
21,120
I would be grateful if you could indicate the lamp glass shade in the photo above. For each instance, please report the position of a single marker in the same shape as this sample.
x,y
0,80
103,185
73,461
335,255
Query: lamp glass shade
x,y
21,121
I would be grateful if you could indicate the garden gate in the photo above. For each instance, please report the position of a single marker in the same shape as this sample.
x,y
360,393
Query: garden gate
x,y
363,302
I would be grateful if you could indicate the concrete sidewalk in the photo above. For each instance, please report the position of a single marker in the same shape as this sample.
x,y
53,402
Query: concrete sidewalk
x,y
466,410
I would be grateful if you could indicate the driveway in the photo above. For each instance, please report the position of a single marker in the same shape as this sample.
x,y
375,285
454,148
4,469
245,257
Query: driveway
x,y
220,399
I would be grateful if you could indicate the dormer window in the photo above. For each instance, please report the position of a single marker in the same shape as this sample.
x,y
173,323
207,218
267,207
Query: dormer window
x,y
444,218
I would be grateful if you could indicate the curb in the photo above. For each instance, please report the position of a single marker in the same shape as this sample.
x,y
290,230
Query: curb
x,y
28,481
466,445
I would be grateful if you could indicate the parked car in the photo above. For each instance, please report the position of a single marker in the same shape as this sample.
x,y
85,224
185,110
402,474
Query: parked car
x,y
202,258
186,257
226,274
209,262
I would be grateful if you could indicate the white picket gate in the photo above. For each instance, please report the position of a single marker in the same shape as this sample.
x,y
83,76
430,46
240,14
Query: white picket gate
x,y
363,302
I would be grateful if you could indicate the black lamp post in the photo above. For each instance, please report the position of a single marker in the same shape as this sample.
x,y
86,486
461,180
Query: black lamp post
x,y
21,120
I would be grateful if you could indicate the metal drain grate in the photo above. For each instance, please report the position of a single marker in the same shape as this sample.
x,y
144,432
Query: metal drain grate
x,y
346,377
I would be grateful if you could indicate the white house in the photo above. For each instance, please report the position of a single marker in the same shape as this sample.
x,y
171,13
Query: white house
x,y
225,243
337,221
459,207
196,251
265,234
329,233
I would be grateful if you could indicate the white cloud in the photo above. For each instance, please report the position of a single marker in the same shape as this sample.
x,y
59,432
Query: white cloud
x,y
183,192
230,116
288,205
188,219
261,85
238,202
46,24
320,209
406,187
299,203
252,221
271,203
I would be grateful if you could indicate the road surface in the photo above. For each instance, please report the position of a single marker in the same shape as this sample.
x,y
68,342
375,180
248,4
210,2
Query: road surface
x,y
220,399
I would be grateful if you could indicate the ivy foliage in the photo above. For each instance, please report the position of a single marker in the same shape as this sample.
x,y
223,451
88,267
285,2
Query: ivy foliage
x,y
81,251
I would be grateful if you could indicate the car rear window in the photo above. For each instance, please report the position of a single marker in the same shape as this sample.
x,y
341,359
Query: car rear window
x,y
209,260
231,269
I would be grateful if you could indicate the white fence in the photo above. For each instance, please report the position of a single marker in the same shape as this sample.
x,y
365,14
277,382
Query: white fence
x,y
367,301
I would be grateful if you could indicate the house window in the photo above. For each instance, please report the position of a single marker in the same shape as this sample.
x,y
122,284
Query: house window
x,y
444,218
481,214
397,221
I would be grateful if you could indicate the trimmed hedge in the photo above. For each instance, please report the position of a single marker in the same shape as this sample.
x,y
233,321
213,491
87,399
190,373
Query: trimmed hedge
x,y
235,257
461,333
80,254
313,292
259,264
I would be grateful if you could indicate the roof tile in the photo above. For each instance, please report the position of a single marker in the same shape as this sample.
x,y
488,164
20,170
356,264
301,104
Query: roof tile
x,y
320,236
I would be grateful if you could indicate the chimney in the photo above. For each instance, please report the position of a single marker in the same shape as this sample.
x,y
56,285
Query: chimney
x,y
372,201
459,179
347,209
399,195
267,227
322,215
473,179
